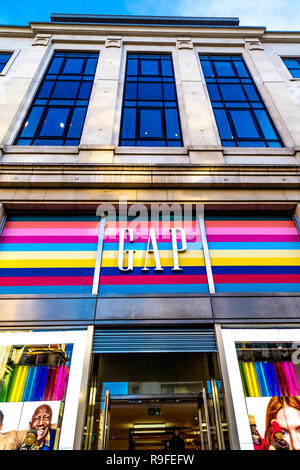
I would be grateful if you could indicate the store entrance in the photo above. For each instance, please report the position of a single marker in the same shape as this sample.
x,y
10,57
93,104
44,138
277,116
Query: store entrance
x,y
174,423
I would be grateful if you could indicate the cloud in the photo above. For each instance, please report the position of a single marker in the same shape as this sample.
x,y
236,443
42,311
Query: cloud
x,y
274,14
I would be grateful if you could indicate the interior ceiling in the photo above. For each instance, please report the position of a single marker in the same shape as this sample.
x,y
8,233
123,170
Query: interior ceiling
x,y
123,417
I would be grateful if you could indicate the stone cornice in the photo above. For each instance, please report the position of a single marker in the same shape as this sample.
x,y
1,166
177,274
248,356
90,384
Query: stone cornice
x,y
148,176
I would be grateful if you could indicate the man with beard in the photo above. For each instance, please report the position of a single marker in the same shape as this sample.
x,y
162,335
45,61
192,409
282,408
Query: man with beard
x,y
41,422
278,442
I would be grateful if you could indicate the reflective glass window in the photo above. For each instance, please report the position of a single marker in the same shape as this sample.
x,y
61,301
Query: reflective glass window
x,y
57,114
293,64
4,58
241,116
150,113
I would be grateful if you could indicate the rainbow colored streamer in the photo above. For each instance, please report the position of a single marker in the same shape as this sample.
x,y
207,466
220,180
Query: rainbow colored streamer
x,y
264,379
34,383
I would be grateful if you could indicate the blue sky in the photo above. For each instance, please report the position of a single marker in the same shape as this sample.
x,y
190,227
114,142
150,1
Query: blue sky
x,y
274,14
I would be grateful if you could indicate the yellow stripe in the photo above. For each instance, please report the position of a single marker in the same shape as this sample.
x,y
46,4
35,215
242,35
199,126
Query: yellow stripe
x,y
248,378
254,379
255,261
48,263
19,255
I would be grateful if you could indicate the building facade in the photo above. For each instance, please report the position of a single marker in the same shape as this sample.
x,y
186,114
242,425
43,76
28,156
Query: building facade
x,y
149,240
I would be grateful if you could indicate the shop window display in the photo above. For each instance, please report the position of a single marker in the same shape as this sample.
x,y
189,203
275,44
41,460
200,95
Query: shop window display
x,y
33,385
270,375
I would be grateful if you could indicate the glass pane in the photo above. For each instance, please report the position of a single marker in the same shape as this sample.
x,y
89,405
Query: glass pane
x,y
151,143
73,65
291,63
224,69
241,69
232,92
46,89
85,90
65,90
295,73
251,93
166,68
32,122
54,124
213,92
150,91
265,124
244,125
77,123
129,120
91,65
130,91
207,69
47,142
169,91
223,124
274,144
56,64
4,58
150,123
132,66
172,124
252,143
149,67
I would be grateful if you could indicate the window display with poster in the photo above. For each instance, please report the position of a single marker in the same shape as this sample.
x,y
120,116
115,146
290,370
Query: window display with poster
x,y
36,380
265,370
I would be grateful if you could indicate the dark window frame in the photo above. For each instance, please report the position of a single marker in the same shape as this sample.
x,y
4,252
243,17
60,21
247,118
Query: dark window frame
x,y
139,103
50,102
247,104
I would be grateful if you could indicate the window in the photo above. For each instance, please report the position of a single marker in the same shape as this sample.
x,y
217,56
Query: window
x,y
4,58
241,116
150,113
293,64
57,114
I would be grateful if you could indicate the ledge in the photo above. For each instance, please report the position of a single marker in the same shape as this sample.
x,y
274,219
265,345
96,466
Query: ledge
x,y
32,149
151,150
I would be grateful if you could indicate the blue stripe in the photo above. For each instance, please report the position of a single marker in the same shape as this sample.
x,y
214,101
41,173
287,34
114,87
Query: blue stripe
x,y
167,271
256,269
48,247
152,289
46,290
275,287
41,272
254,245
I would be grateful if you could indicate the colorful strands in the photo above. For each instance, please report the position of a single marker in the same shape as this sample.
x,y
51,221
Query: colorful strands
x,y
254,254
264,379
34,383
48,255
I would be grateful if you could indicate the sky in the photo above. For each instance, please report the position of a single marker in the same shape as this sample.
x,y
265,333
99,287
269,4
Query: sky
x,y
276,15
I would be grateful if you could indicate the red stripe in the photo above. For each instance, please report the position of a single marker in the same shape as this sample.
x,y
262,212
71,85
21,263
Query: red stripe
x,y
47,281
153,279
253,238
48,239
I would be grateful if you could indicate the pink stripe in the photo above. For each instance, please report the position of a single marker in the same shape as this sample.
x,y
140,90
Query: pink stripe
x,y
144,239
290,384
252,230
47,232
294,378
47,281
58,384
154,279
253,238
46,239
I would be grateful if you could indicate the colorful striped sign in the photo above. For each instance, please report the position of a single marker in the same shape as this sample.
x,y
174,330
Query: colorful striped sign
x,y
191,279
48,255
254,254
57,255
269,379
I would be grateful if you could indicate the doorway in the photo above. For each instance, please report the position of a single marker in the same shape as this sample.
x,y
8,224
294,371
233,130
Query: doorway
x,y
137,401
